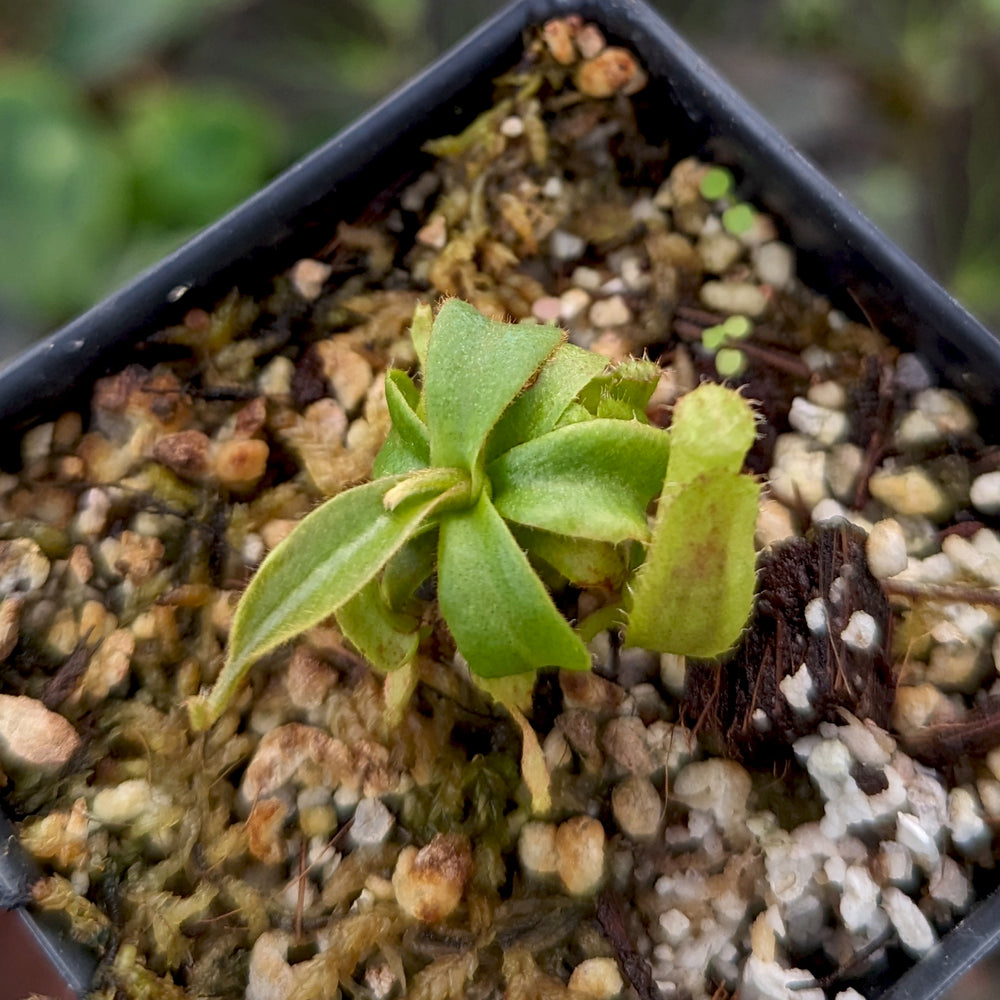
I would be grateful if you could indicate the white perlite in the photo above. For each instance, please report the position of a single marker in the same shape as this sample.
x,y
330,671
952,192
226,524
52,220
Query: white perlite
x,y
859,903
915,934
816,616
861,632
798,690
886,548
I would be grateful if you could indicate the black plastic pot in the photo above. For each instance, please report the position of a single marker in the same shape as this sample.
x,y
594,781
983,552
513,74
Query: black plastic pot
x,y
840,253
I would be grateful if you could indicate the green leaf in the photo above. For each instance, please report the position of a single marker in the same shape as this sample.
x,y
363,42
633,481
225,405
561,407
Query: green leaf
x,y
589,480
712,428
693,594
501,616
406,448
622,393
475,368
420,333
538,409
585,563
321,565
427,481
386,638
410,567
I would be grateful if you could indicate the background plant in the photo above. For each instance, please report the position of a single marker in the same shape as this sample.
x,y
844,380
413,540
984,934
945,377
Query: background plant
x,y
520,456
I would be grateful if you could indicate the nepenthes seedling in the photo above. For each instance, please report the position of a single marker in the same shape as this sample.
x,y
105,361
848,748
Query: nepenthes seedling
x,y
516,458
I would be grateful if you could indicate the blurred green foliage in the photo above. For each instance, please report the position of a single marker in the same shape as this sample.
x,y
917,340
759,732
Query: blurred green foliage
x,y
124,127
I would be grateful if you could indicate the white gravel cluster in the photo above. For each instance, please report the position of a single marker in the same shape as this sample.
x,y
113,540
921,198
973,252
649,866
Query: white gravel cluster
x,y
879,864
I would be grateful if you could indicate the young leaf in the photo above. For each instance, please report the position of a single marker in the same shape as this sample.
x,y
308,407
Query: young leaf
x,y
501,616
585,563
538,409
330,556
712,428
402,398
475,368
420,331
622,393
694,592
409,568
589,480
386,638
406,447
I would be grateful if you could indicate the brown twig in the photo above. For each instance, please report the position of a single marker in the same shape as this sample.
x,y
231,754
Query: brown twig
x,y
953,593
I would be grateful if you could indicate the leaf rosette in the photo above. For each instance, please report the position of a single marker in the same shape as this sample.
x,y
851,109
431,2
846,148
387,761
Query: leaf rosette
x,y
518,459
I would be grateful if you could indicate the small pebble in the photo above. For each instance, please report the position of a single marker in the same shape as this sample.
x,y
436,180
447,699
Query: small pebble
x,y
734,297
33,736
23,566
547,309
580,854
598,978
885,549
798,475
718,251
911,491
566,246
512,127
590,41
612,311
429,883
636,806
308,277
612,71
434,233
587,278
572,302
774,263
824,425
913,373
718,786
536,847
985,493
373,822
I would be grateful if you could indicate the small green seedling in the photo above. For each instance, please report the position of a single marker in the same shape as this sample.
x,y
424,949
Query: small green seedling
x,y
739,219
519,458
716,184
730,361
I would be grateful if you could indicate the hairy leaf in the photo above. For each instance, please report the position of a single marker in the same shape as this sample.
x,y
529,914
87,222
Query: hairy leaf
x,y
330,556
475,368
409,568
420,331
581,561
589,480
406,447
622,393
386,638
501,616
538,409
693,594
712,428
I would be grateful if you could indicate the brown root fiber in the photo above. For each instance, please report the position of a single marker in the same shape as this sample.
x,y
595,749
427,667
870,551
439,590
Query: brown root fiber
x,y
741,702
